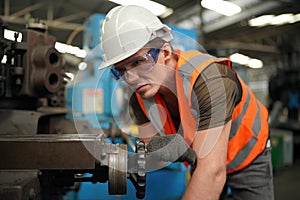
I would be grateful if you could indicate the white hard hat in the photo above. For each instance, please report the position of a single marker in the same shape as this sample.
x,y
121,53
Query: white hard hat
x,y
127,29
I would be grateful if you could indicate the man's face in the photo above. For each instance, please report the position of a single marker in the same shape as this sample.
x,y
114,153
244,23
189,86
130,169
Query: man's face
x,y
142,73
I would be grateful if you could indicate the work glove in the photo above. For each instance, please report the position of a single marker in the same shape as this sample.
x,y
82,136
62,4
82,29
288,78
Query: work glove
x,y
171,148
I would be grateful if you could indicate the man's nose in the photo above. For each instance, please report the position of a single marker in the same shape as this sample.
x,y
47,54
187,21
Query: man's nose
x,y
131,76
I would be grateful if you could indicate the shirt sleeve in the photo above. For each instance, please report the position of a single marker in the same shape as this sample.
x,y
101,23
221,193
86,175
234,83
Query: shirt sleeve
x,y
215,94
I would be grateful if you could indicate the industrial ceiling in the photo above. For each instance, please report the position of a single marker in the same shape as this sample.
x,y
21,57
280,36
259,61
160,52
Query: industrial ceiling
x,y
218,33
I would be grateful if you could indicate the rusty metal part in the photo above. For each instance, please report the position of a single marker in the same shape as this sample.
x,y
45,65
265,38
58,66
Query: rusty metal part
x,y
33,70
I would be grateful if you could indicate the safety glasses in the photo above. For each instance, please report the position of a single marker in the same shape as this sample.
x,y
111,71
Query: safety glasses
x,y
140,64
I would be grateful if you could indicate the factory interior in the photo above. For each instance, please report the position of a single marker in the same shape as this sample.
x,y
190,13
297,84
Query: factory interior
x,y
64,131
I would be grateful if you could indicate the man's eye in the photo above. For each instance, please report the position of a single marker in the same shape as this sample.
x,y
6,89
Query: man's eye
x,y
138,62
121,71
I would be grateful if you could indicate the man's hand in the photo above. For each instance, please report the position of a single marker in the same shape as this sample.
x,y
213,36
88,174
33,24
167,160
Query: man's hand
x,y
171,148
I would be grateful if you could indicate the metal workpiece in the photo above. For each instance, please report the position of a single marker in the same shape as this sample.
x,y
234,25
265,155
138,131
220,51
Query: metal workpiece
x,y
61,151
46,151
60,157
117,173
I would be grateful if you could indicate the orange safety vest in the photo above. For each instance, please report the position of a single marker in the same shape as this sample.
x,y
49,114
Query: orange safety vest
x,y
249,128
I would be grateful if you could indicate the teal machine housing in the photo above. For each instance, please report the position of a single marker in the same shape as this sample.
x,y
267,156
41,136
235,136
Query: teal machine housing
x,y
91,96
97,98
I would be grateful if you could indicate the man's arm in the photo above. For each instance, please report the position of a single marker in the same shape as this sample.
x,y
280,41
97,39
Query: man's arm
x,y
217,91
209,176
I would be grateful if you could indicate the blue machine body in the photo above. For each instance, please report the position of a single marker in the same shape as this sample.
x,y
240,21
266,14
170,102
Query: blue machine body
x,y
92,94
165,184
93,97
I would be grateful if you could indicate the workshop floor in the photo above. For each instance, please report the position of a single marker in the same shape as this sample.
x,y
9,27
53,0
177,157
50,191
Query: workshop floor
x,y
287,182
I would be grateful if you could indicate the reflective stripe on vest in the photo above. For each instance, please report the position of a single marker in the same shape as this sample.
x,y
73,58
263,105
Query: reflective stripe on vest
x,y
245,151
249,131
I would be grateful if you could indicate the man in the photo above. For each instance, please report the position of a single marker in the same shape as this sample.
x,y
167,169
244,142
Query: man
x,y
184,99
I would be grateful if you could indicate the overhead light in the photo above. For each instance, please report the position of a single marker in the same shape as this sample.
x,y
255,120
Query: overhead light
x,y
82,66
282,19
70,77
261,21
4,59
255,63
265,20
296,18
166,13
156,8
65,48
10,35
223,7
239,58
246,60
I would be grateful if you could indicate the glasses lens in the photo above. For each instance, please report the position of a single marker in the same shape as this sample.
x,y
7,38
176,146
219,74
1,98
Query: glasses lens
x,y
141,64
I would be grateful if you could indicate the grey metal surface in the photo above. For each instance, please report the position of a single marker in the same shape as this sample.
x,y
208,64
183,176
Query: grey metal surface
x,y
17,185
12,121
66,151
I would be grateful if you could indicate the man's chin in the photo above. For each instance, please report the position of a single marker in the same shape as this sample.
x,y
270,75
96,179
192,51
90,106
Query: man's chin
x,y
146,94
147,91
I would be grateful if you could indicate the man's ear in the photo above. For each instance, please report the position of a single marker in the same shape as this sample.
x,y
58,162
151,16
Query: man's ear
x,y
166,49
